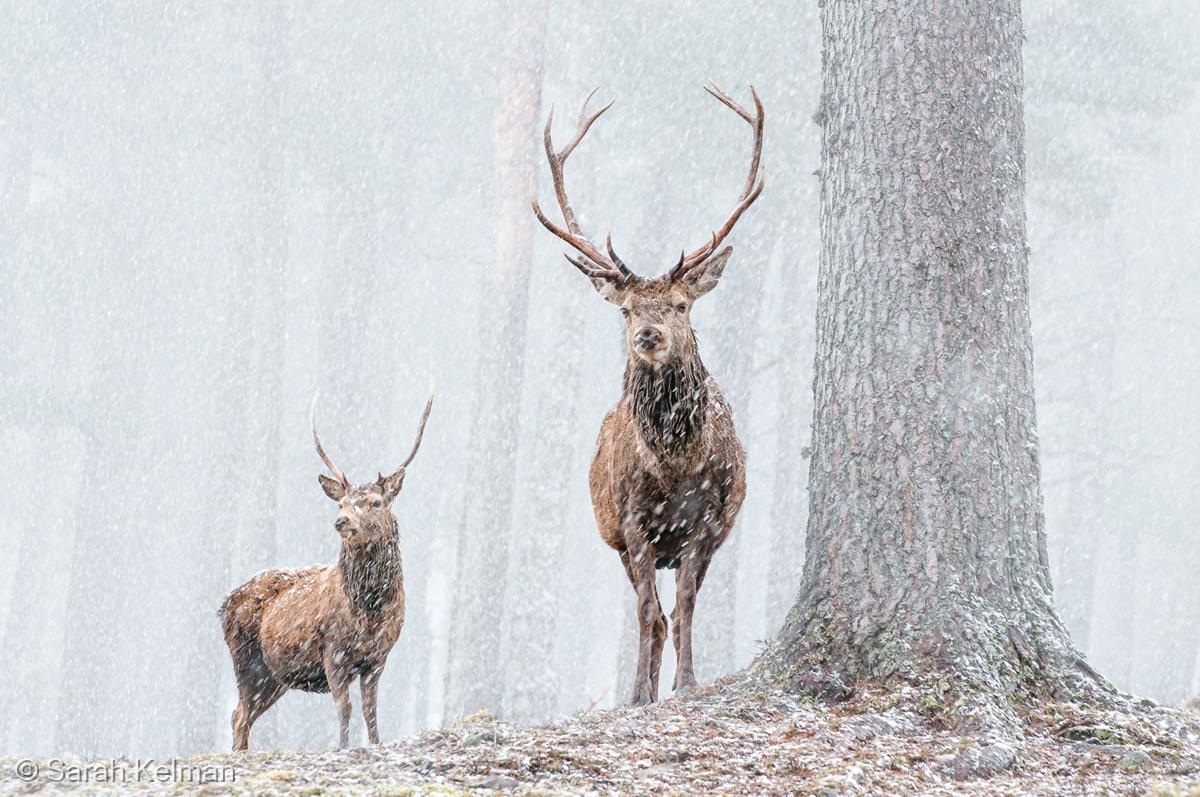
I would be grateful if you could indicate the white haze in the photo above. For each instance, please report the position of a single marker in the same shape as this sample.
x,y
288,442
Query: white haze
x,y
209,212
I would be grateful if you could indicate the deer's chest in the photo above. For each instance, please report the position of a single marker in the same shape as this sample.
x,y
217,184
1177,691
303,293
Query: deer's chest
x,y
673,516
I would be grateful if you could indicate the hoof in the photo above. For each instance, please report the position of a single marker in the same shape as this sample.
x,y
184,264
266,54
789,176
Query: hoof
x,y
640,700
684,688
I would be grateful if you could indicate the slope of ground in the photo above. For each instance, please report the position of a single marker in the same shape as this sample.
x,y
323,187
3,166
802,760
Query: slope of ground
x,y
712,742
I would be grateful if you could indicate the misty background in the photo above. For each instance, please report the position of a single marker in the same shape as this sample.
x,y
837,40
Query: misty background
x,y
210,211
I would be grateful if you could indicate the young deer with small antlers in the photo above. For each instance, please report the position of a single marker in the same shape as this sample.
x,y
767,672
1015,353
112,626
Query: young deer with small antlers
x,y
316,628
669,474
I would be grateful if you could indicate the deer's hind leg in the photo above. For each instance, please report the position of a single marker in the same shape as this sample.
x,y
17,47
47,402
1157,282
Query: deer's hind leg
x,y
257,691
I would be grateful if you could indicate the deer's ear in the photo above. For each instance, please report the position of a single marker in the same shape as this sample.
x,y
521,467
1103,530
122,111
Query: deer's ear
x,y
704,277
332,487
390,485
609,291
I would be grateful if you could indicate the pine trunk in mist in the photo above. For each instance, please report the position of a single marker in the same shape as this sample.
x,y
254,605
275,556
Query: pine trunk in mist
x,y
475,674
356,335
1089,516
926,552
16,170
1125,637
797,257
25,618
101,630
791,433
540,545
734,345
255,355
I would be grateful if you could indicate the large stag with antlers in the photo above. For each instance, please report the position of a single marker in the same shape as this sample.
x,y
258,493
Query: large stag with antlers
x,y
317,628
669,474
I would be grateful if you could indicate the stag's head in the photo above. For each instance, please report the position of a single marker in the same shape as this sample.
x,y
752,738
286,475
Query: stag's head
x,y
365,511
657,310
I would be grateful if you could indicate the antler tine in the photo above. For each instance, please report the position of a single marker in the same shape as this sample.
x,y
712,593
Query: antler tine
x,y
678,269
312,427
625,272
420,429
594,273
734,105
752,187
558,158
585,124
599,265
585,247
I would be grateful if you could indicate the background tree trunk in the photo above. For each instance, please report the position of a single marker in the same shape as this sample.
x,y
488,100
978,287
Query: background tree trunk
x,y
255,357
926,552
484,534
741,314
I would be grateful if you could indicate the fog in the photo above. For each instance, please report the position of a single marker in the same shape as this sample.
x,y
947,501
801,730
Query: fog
x,y
208,213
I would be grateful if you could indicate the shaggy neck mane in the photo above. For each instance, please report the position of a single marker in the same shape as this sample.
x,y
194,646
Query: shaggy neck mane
x,y
371,573
669,402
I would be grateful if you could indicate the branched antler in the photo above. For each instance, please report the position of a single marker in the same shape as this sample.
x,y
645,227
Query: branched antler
x,y
594,263
750,189
598,265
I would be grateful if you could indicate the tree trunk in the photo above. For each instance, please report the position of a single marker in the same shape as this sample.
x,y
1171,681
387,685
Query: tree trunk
x,y
791,432
1090,517
253,384
475,673
926,551
539,546
716,615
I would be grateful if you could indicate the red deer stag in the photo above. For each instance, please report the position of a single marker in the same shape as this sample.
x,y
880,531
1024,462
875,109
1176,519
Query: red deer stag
x,y
668,476
317,628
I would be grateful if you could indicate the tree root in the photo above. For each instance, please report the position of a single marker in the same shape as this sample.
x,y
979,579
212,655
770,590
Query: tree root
x,y
995,680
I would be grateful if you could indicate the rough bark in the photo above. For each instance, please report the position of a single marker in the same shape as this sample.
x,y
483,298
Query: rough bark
x,y
475,673
926,551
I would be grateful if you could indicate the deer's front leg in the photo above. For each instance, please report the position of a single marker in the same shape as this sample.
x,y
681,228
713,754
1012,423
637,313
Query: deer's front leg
x,y
688,578
369,687
338,676
652,626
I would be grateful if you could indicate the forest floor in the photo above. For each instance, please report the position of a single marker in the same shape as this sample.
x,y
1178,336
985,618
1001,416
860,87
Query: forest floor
x,y
714,741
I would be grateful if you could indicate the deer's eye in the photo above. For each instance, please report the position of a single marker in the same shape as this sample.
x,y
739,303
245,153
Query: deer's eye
x,y
377,503
681,307
625,312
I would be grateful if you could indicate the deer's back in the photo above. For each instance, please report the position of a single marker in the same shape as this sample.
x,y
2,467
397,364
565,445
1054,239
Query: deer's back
x,y
242,610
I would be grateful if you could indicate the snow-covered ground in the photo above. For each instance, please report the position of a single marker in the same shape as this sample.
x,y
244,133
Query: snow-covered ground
x,y
716,741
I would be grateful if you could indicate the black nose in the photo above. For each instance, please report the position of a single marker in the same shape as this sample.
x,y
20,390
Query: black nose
x,y
341,523
647,337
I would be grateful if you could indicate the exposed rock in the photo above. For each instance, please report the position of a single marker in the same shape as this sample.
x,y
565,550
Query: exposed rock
x,y
824,686
870,726
1134,760
982,761
1094,734
478,736
498,783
